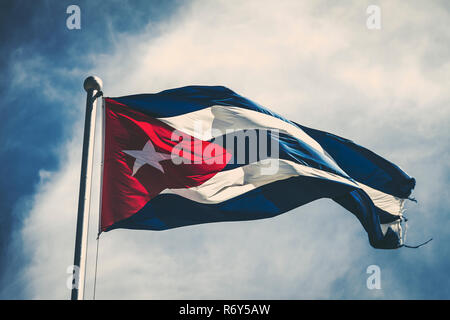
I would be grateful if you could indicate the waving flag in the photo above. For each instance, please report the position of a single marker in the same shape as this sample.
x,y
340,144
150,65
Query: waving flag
x,y
203,154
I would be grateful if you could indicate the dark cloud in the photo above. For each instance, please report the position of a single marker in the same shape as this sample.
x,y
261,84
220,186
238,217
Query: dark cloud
x,y
42,65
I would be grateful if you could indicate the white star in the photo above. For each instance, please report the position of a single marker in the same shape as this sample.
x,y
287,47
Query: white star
x,y
149,156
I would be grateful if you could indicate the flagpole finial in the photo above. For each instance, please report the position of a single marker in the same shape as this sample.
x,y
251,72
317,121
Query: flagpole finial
x,y
93,83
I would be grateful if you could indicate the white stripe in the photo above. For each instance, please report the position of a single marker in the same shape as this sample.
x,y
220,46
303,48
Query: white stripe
x,y
395,226
218,120
231,183
388,203
384,201
228,184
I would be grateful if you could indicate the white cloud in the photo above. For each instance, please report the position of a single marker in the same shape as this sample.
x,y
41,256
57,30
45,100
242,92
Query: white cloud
x,y
314,62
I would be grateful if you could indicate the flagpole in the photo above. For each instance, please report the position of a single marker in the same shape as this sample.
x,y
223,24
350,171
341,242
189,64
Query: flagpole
x,y
93,87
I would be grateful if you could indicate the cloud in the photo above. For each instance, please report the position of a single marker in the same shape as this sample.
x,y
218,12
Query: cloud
x,y
315,63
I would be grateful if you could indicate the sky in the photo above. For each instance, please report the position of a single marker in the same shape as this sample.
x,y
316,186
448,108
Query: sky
x,y
315,62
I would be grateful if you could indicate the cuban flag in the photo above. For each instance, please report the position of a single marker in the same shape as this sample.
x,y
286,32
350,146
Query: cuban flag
x,y
202,154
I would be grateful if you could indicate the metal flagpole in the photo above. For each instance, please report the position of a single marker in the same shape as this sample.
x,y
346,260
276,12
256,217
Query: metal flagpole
x,y
93,87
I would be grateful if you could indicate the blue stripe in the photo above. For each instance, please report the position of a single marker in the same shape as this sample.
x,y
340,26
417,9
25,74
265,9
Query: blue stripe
x,y
175,102
363,165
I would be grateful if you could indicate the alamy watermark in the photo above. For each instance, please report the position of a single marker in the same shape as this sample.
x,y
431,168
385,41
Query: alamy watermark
x,y
373,21
374,280
228,147
74,20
